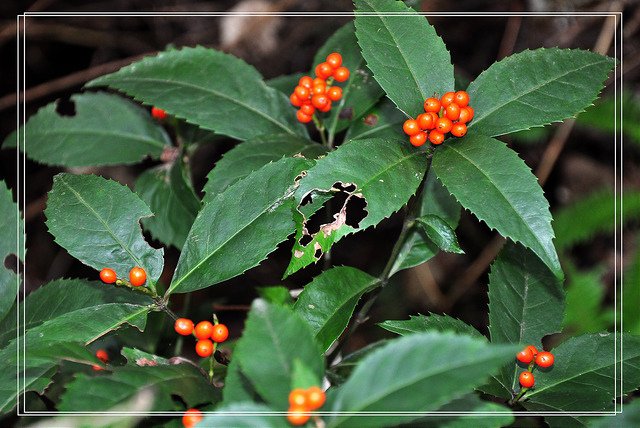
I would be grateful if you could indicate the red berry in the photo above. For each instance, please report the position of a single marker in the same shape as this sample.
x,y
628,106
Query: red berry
x,y
426,121
324,70
444,125
334,60
308,109
533,350
204,348
447,99
298,398
341,74
461,98
306,81
298,415
459,129
466,114
108,276
191,417
418,139
315,398
436,137
411,127
544,359
203,330
158,113
295,101
432,104
526,379
320,101
319,89
302,93
452,111
220,333
303,118
318,81
326,108
102,355
183,326
137,276
525,356
334,93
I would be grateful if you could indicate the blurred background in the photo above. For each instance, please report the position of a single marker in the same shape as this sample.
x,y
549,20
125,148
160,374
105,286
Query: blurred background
x,y
578,162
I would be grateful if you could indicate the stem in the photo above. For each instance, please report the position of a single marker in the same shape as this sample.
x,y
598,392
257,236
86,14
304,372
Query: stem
x,y
321,129
519,396
212,362
185,308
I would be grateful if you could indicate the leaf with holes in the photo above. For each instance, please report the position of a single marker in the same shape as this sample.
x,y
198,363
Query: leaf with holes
x,y
492,182
97,221
327,302
208,88
105,129
172,200
382,121
433,322
535,88
376,175
408,59
240,227
12,230
360,92
252,155
284,337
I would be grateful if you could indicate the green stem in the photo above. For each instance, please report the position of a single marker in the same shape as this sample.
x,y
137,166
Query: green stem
x,y
212,362
519,396
321,129
185,310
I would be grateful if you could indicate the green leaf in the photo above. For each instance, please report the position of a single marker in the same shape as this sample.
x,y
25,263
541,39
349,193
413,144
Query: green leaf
x,y
106,129
286,83
96,393
360,92
526,303
340,372
440,233
433,322
535,88
408,59
630,417
245,415
208,88
601,116
596,213
96,221
631,295
417,247
501,416
173,201
302,376
416,373
237,229
586,374
584,302
378,174
277,294
382,121
11,232
492,182
252,155
237,387
327,302
284,337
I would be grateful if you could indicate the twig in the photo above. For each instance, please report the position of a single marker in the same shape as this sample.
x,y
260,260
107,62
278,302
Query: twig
x,y
510,36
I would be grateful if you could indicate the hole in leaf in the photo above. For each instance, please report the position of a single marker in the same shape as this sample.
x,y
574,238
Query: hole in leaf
x,y
66,107
306,200
306,239
11,261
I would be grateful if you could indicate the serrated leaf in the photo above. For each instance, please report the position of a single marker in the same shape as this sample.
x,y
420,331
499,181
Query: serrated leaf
x,y
252,155
382,121
245,415
433,322
279,295
440,233
203,87
408,59
492,182
327,302
11,232
526,303
535,88
91,393
141,358
284,337
172,200
596,213
360,92
402,376
417,247
586,374
381,174
237,229
106,129
600,116
96,221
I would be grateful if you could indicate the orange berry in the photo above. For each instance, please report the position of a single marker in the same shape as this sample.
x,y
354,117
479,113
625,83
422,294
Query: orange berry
x,y
418,139
137,276
191,418
308,109
436,137
303,118
461,98
183,326
102,355
220,333
318,81
426,121
315,398
444,125
526,379
203,330
411,127
544,359
302,92
158,113
295,101
341,74
298,415
334,93
305,81
204,348
533,350
459,129
324,70
319,89
326,108
320,101
334,60
466,114
298,398
447,98
432,104
525,356
108,276
452,111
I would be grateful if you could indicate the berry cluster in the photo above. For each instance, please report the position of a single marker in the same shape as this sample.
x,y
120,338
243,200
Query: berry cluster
x,y
191,418
303,401
531,356
450,113
102,356
317,94
137,276
158,113
205,332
